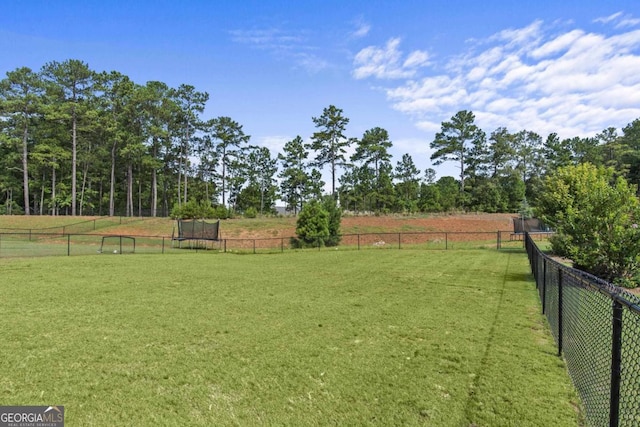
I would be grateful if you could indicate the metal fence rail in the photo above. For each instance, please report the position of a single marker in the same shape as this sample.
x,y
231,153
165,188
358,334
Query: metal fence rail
x,y
596,326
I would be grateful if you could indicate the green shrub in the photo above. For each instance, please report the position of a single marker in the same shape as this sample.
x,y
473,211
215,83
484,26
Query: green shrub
x,y
195,210
595,217
250,213
335,216
312,226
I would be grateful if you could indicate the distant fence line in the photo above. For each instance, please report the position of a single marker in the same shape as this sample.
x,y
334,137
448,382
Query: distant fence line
x,y
596,327
28,243
75,227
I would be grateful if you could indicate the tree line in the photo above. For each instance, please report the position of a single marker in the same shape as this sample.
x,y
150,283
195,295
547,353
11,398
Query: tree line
x,y
79,142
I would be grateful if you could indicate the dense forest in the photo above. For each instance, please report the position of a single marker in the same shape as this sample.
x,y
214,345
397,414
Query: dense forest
x,y
74,141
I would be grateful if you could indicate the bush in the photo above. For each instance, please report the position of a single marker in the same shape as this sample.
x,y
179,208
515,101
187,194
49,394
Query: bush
x,y
312,227
335,217
198,210
250,213
595,218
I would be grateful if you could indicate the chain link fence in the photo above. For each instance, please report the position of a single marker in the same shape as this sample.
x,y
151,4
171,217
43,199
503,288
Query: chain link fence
x,y
596,326
86,239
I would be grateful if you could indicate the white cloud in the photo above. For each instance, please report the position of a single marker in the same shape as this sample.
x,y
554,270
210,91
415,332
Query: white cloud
x,y
416,59
362,29
288,44
268,38
607,19
620,19
538,78
386,62
275,143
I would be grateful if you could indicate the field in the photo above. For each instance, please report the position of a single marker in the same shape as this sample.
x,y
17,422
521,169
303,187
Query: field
x,y
48,236
411,337
261,227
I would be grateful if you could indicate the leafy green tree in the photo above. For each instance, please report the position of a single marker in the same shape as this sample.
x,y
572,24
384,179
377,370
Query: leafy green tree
x,y
529,161
261,175
299,180
455,140
407,176
557,153
612,150
190,105
373,150
513,190
486,196
430,175
587,150
194,210
429,198
312,226
115,104
157,107
595,217
630,141
329,141
20,105
449,190
348,191
501,152
231,141
371,159
335,216
70,84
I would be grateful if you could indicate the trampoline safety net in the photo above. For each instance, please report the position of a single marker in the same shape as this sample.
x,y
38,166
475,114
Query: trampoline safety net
x,y
197,230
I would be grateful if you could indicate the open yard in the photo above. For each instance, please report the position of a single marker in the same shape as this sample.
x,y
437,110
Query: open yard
x,y
411,337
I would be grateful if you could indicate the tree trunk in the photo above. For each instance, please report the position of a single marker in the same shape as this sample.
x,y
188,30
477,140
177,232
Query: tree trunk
x,y
25,169
130,189
139,196
74,150
186,161
112,188
180,182
42,194
154,182
461,173
54,208
85,171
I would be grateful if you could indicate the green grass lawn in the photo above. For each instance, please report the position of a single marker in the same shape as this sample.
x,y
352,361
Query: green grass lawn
x,y
408,337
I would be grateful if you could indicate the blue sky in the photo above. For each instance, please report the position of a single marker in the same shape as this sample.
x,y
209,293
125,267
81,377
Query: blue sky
x,y
571,67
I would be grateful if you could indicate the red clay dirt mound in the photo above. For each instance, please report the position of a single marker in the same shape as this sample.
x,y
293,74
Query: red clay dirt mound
x,y
259,228
451,223
380,224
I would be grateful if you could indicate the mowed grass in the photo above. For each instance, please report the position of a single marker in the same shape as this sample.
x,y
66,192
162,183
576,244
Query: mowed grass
x,y
442,338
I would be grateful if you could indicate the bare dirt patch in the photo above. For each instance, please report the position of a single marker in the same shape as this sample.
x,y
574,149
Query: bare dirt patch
x,y
286,227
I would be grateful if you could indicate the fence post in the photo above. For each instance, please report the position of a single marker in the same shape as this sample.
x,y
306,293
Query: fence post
x,y
616,361
225,246
543,297
446,241
162,244
120,245
497,240
559,312
282,245
68,244
358,242
399,239
254,246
